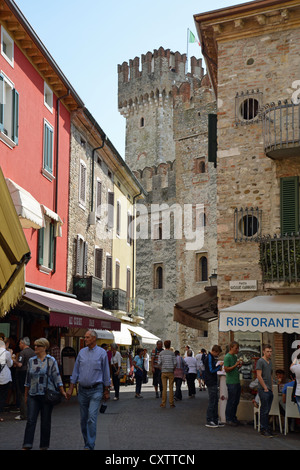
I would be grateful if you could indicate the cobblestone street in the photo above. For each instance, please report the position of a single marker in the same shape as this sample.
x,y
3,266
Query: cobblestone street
x,y
140,424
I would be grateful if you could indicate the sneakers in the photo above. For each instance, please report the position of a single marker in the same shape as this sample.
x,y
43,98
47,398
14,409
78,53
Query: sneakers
x,y
266,433
212,424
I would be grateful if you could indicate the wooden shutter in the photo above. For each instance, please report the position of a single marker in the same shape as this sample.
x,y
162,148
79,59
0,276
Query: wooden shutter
x,y
212,138
1,104
82,184
15,123
48,148
98,198
41,247
111,199
98,262
117,280
85,258
51,246
108,272
289,205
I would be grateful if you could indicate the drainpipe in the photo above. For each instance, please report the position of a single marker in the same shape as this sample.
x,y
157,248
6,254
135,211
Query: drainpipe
x,y
133,245
57,161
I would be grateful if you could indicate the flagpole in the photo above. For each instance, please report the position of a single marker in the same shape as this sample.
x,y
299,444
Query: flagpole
x,y
187,52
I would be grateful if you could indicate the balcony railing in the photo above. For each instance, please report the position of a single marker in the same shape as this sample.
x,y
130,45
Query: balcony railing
x,y
281,129
280,258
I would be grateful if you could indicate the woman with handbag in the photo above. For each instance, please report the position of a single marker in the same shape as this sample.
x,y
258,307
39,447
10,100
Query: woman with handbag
x,y
42,377
138,363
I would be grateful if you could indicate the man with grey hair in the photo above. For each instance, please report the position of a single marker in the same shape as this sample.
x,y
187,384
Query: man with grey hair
x,y
21,368
91,371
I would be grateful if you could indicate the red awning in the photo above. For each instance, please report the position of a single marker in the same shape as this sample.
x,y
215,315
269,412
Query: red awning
x,y
70,312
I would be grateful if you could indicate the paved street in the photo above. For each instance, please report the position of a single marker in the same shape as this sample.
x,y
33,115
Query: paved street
x,y
140,424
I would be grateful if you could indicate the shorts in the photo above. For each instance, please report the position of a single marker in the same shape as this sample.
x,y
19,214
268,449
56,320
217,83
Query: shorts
x,y
157,377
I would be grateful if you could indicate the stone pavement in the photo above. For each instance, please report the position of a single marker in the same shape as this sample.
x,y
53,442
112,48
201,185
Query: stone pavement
x,y
132,424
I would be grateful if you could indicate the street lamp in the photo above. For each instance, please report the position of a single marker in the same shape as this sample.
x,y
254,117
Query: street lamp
x,y
213,278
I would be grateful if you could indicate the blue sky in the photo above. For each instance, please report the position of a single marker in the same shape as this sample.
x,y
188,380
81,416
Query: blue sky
x,y
89,38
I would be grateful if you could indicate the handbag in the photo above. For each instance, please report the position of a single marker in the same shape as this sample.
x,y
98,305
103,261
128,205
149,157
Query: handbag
x,y
52,397
121,373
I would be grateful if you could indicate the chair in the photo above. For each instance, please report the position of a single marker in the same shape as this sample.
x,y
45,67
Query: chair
x,y
274,411
291,409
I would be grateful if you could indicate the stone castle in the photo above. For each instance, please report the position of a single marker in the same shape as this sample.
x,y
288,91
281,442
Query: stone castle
x,y
166,110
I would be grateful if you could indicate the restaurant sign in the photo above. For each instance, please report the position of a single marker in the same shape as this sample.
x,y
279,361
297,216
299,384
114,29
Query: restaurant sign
x,y
263,322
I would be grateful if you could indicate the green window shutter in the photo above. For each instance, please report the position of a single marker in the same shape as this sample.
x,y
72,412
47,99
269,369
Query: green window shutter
x,y
15,123
289,205
1,104
51,246
212,138
41,247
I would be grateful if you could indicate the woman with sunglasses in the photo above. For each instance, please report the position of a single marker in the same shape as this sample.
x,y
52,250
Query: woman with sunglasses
x,y
42,368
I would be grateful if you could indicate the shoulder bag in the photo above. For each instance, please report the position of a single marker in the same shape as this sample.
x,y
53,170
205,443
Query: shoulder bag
x,y
52,397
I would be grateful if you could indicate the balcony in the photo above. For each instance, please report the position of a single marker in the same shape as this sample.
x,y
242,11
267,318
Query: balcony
x,y
281,129
88,289
280,259
115,299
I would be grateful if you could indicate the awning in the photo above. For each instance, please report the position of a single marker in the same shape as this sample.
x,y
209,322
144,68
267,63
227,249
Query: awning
x,y
55,217
14,252
27,207
105,334
146,336
69,312
270,313
193,311
123,336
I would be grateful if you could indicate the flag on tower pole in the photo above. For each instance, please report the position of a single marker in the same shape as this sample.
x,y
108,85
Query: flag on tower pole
x,y
190,39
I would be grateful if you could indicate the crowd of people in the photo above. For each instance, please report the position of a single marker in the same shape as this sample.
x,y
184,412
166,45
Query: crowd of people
x,y
98,369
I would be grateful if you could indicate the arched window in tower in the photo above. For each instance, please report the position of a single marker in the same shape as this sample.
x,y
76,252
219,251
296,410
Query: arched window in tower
x,y
142,122
201,267
158,276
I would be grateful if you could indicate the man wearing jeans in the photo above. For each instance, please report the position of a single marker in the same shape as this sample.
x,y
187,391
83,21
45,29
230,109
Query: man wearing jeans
x,y
211,381
232,369
91,370
264,376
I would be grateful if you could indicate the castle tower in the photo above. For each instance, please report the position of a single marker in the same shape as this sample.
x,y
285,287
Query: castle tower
x,y
166,112
145,99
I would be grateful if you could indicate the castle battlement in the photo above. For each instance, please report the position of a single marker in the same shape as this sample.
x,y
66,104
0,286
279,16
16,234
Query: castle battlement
x,y
151,82
157,177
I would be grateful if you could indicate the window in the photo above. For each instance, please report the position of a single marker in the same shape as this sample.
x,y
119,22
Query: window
x,y
81,256
46,246
48,150
110,212
82,183
117,282
158,276
9,112
118,228
247,224
98,262
201,267
130,229
98,197
108,272
247,106
289,205
48,97
7,47
128,283
142,122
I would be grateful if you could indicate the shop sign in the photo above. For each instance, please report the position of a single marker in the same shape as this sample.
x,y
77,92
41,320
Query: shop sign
x,y
267,322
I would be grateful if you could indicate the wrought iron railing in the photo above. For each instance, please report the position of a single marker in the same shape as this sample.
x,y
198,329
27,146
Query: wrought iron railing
x,y
280,258
281,127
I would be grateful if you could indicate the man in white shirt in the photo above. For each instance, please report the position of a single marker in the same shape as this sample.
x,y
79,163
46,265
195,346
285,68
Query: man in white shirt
x,y
6,363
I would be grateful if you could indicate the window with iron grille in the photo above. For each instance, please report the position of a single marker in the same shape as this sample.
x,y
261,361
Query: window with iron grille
x,y
247,106
247,224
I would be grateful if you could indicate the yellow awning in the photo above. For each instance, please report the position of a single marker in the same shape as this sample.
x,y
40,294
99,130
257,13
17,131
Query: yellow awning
x,y
14,252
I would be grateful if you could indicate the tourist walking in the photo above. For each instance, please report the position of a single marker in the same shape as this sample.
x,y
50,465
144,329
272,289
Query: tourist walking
x,y
265,391
191,362
295,369
167,362
21,362
156,369
6,363
211,381
232,369
179,375
200,357
42,373
91,371
116,362
138,362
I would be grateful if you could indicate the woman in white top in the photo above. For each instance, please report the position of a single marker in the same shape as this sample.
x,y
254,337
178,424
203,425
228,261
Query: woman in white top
x,y
116,361
6,363
295,368
192,373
